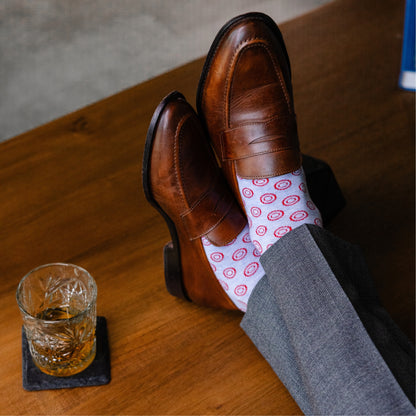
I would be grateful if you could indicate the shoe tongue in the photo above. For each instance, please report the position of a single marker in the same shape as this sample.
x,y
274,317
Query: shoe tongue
x,y
259,103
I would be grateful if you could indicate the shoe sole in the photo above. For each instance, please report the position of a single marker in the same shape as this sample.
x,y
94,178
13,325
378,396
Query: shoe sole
x,y
171,252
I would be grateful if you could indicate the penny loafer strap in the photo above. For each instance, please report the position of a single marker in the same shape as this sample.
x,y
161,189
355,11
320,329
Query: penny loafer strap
x,y
256,138
215,215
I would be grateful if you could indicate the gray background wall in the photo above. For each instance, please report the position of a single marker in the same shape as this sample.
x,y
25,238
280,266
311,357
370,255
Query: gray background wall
x,y
60,55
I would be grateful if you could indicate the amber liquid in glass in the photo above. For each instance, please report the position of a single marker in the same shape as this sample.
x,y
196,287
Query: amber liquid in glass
x,y
68,347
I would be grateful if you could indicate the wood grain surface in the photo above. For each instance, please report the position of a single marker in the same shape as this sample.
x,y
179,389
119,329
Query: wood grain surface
x,y
71,191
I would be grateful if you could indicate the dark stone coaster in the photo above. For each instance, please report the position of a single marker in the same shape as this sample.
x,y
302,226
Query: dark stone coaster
x,y
96,374
323,188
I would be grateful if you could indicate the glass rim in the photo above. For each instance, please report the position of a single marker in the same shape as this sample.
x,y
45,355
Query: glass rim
x,y
44,266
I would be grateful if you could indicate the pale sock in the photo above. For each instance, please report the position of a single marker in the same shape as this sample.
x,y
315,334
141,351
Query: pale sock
x,y
236,266
274,206
277,205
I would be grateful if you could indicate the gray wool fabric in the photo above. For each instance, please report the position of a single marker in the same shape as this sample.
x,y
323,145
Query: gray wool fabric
x,y
302,321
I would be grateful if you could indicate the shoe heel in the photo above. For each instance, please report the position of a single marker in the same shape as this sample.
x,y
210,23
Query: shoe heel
x,y
173,273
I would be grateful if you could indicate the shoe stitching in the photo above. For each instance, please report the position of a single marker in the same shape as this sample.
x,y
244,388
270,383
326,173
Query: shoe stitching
x,y
229,29
178,156
261,42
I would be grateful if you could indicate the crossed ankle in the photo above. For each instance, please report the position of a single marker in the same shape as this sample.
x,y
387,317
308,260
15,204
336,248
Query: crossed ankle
x,y
274,207
277,205
236,266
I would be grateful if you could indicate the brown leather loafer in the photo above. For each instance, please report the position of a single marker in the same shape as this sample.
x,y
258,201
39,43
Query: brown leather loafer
x,y
182,180
245,100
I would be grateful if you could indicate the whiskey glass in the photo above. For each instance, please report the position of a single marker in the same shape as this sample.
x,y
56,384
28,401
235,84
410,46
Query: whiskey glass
x,y
58,305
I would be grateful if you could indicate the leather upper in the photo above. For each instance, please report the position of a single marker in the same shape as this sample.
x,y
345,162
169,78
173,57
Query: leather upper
x,y
189,187
187,182
245,99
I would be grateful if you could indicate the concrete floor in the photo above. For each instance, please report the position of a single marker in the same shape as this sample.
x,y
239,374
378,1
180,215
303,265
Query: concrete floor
x,y
58,56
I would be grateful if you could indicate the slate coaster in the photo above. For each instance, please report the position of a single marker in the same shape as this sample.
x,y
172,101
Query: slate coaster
x,y
96,374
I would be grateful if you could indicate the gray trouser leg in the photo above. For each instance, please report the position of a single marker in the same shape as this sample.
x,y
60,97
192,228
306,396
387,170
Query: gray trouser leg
x,y
302,321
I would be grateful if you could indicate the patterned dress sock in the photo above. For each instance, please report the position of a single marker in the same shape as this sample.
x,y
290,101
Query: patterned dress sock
x,y
236,266
275,206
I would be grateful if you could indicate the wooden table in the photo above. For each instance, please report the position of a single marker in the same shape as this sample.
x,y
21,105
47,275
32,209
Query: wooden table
x,y
71,191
